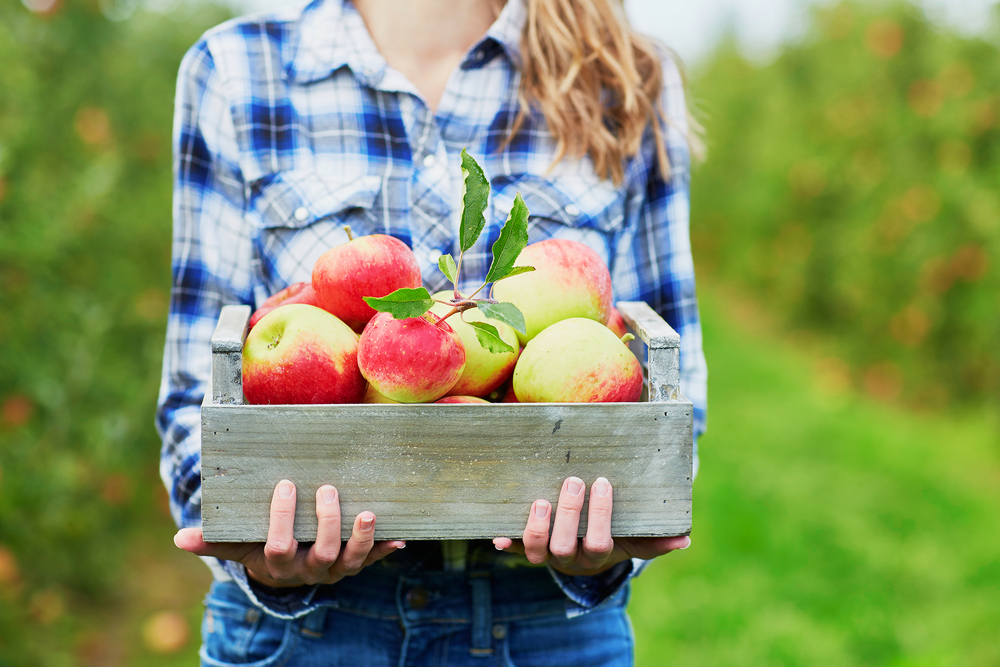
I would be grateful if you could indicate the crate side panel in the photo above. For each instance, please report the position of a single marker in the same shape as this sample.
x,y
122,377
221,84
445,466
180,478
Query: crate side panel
x,y
444,471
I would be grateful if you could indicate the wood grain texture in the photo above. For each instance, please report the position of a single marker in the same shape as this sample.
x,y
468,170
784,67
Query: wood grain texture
x,y
227,355
663,364
444,471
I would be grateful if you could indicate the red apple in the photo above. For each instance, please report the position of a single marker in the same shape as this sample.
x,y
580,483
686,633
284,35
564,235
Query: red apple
x,y
294,293
616,323
484,370
372,396
301,354
461,399
366,266
577,361
569,280
416,360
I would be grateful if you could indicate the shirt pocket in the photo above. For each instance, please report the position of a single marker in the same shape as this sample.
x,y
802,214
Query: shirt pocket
x,y
574,208
299,215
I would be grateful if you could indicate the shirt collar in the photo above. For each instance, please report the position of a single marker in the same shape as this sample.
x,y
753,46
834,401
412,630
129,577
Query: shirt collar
x,y
331,35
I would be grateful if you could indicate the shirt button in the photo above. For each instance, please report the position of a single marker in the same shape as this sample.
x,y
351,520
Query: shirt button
x,y
301,213
572,211
499,632
418,598
429,161
252,616
434,255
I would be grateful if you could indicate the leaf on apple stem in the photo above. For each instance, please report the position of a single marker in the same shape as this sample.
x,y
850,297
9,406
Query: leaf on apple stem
x,y
489,338
403,303
447,265
475,192
513,239
505,312
516,271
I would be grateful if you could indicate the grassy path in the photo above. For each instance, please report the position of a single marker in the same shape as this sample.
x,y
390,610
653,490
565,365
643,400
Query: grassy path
x,y
828,530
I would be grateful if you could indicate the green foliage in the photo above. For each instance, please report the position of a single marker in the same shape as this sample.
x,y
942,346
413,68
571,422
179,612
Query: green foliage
x,y
512,240
828,529
504,312
475,195
448,267
852,183
403,303
86,107
489,338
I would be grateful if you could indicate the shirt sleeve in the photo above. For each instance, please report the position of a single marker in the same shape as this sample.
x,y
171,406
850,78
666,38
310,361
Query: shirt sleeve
x,y
653,263
212,266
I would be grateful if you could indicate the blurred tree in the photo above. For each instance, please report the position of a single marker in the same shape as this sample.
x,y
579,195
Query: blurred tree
x,y
852,184
86,107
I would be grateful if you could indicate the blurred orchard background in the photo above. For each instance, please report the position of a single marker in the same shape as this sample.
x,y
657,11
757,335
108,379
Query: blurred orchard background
x,y
846,231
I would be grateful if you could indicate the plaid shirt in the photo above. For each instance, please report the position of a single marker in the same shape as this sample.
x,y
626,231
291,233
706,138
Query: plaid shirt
x,y
291,125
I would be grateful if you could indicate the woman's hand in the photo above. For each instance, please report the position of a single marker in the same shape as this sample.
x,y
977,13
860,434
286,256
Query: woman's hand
x,y
596,552
282,561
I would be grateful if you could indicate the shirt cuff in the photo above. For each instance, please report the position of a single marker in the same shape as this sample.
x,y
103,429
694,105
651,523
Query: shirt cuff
x,y
584,593
283,603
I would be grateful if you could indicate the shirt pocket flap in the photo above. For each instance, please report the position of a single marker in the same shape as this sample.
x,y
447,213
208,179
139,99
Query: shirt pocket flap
x,y
571,202
294,199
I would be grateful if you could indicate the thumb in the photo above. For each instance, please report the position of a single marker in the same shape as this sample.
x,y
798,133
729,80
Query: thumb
x,y
192,541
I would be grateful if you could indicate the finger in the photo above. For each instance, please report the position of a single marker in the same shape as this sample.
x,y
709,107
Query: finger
x,y
536,532
192,541
598,543
324,552
567,523
508,545
382,549
352,557
279,552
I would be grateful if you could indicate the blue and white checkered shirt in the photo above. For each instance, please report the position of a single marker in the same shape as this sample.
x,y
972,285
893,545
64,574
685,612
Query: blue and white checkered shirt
x,y
289,126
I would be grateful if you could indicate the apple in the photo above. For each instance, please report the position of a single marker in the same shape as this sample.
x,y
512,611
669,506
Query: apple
x,y
461,399
372,396
294,293
577,361
301,354
366,266
616,323
484,370
414,360
569,280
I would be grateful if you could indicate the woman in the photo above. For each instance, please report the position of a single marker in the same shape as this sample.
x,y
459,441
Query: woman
x,y
288,127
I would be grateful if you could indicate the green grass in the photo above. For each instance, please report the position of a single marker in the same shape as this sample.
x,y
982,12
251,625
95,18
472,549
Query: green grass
x,y
828,529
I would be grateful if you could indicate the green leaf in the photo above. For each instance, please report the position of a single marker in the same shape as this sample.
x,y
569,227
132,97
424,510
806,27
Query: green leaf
x,y
403,303
513,239
448,267
504,312
517,270
475,193
489,338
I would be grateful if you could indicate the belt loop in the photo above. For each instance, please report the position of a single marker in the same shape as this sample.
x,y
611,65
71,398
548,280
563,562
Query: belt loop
x,y
482,613
313,622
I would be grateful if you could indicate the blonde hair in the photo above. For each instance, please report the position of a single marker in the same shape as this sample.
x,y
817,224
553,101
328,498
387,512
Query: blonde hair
x,y
597,82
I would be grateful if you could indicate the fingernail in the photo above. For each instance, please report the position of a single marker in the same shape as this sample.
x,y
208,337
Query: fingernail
x,y
367,523
574,486
687,545
498,547
285,489
541,508
175,542
601,487
401,545
329,495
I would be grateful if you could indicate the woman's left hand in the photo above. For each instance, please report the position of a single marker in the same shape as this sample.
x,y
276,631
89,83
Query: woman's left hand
x,y
596,552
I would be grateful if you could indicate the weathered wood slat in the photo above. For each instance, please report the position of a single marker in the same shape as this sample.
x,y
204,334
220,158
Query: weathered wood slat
x,y
227,355
444,471
663,343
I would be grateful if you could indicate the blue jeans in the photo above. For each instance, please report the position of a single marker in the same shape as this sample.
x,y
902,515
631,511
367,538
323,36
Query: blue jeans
x,y
383,618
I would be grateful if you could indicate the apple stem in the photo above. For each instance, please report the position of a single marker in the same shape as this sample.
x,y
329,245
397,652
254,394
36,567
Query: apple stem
x,y
628,338
347,229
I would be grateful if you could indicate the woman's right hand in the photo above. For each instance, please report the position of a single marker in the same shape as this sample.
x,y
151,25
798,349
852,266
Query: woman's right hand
x,y
282,561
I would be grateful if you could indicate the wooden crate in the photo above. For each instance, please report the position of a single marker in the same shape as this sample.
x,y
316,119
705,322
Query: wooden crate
x,y
458,471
